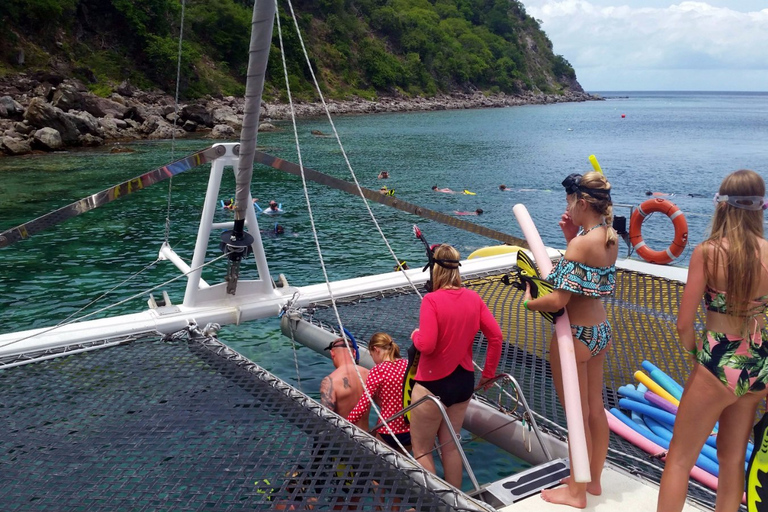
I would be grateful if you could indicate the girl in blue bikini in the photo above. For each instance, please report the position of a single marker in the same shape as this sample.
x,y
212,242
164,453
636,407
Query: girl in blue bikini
x,y
729,271
581,278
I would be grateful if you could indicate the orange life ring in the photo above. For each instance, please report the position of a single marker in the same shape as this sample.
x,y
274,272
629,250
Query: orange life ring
x,y
674,213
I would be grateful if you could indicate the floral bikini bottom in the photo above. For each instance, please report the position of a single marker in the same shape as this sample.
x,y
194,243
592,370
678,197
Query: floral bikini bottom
x,y
740,364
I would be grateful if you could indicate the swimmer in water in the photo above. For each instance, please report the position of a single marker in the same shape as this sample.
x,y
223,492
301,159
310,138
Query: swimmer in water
x,y
658,194
443,190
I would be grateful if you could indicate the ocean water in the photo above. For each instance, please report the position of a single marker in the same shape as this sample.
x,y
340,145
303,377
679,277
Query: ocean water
x,y
675,143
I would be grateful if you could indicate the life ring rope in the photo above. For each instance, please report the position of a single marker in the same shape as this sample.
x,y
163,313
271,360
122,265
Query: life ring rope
x,y
679,241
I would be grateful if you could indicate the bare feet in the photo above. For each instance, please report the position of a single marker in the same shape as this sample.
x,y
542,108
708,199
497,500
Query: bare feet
x,y
593,488
562,496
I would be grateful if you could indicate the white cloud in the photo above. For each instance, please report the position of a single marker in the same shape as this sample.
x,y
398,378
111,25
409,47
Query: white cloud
x,y
605,42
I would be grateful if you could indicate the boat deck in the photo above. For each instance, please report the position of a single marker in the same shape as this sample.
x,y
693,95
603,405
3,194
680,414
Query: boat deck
x,y
620,492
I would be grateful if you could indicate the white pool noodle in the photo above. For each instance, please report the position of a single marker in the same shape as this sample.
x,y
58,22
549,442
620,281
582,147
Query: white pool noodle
x,y
577,439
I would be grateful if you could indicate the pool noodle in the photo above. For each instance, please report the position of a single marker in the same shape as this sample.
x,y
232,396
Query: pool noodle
x,y
665,418
701,462
630,392
666,406
670,386
661,430
650,384
656,401
642,387
577,440
648,410
662,379
648,446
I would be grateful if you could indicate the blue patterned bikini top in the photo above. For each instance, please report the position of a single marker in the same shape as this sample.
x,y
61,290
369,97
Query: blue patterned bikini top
x,y
582,279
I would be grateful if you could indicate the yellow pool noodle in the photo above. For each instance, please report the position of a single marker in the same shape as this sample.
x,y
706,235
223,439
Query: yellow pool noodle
x,y
650,384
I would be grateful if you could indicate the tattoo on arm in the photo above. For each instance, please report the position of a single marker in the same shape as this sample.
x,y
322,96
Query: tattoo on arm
x,y
327,395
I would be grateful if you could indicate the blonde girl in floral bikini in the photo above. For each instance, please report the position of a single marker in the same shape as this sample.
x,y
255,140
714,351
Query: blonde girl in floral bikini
x,y
729,271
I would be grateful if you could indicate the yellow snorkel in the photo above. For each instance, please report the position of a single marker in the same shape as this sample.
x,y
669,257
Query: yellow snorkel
x,y
595,164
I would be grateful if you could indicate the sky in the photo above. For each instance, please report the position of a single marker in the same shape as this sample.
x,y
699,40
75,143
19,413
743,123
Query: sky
x,y
656,45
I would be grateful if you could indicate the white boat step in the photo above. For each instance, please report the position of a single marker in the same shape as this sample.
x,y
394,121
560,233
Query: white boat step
x,y
531,481
621,491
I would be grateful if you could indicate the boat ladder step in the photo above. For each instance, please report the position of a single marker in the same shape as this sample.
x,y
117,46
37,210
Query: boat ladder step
x,y
531,481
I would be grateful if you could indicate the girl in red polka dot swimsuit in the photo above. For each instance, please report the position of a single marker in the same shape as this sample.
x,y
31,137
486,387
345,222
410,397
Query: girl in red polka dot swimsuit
x,y
385,385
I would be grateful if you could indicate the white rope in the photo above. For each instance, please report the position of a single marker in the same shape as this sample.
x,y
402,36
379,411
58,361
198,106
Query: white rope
x,y
341,147
311,215
175,119
61,324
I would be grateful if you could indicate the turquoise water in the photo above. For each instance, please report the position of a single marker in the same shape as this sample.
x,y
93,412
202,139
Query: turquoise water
x,y
680,143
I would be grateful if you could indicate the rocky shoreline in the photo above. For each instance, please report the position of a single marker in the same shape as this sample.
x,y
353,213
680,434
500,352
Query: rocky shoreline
x,y
47,112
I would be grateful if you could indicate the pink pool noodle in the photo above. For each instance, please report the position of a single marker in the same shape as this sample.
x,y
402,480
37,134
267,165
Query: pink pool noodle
x,y
577,439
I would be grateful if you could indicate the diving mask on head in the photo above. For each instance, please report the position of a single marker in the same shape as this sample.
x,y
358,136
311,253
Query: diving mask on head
x,y
742,202
572,184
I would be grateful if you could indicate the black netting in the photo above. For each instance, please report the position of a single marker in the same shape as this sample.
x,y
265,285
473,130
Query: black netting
x,y
642,313
183,426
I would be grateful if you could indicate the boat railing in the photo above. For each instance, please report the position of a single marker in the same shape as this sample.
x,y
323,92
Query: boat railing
x,y
521,399
456,439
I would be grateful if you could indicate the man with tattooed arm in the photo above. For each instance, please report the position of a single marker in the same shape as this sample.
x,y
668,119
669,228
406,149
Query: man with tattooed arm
x,y
341,390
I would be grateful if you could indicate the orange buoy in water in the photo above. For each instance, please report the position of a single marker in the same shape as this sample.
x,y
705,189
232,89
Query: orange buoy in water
x,y
623,116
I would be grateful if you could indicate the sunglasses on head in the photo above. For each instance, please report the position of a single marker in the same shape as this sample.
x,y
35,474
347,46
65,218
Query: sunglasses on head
x,y
336,344
742,202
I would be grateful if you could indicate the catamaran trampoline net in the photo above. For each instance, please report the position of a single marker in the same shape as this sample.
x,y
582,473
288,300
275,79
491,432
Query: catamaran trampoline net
x,y
643,313
188,425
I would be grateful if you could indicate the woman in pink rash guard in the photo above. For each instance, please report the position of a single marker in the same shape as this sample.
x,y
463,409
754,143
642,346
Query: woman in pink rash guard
x,y
449,319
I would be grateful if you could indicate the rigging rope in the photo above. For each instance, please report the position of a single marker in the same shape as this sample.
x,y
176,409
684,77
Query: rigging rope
x,y
309,205
175,120
118,285
62,324
392,201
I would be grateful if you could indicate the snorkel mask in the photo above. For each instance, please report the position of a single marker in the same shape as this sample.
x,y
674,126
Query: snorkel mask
x,y
742,202
572,184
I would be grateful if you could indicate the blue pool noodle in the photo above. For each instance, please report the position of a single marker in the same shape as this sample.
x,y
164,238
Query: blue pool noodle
x,y
648,410
663,380
702,462
660,430
630,392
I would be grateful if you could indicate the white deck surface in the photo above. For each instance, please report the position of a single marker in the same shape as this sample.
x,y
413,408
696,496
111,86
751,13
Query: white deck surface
x,y
621,492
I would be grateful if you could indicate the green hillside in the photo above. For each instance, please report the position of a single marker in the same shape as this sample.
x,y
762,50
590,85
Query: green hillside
x,y
365,48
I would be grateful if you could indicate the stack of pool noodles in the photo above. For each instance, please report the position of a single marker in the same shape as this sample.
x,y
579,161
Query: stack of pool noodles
x,y
651,408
